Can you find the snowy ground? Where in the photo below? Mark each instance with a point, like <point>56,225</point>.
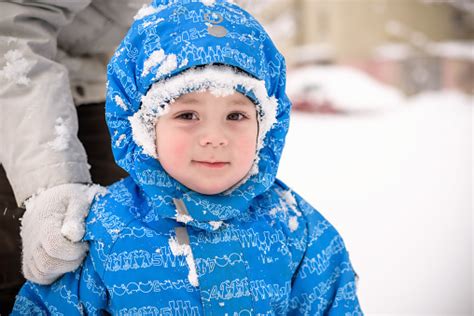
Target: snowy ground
<point>398,186</point>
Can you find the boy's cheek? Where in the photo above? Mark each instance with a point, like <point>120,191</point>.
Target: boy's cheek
<point>250,140</point>
<point>247,148</point>
<point>179,150</point>
<point>176,145</point>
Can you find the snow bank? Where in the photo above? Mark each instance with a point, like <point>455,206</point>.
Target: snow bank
<point>398,187</point>
<point>345,88</point>
<point>452,101</point>
<point>393,51</point>
<point>453,50</point>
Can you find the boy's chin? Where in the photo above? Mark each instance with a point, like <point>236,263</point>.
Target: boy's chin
<point>210,189</point>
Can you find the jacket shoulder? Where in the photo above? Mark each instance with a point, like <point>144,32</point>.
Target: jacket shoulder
<point>305,224</point>
<point>112,212</point>
<point>309,216</point>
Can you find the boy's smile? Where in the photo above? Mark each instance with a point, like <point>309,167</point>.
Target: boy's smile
<point>208,164</point>
<point>207,142</point>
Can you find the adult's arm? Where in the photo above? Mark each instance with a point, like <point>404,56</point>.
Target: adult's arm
<point>38,120</point>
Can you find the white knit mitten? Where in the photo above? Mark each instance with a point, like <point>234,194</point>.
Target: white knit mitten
<point>51,230</point>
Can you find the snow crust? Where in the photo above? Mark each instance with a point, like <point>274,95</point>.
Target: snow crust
<point>183,218</point>
<point>120,140</point>
<point>154,22</point>
<point>94,190</point>
<point>16,67</point>
<point>293,223</point>
<point>290,200</point>
<point>185,250</point>
<point>155,58</point>
<point>184,62</point>
<point>120,103</point>
<point>216,224</point>
<point>143,129</point>
<point>147,10</point>
<point>63,135</point>
<point>169,64</point>
<point>287,201</point>
<point>208,3</point>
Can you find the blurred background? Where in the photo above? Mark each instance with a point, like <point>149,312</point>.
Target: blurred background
<point>381,140</point>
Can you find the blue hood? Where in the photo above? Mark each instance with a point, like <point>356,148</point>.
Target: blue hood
<point>195,34</point>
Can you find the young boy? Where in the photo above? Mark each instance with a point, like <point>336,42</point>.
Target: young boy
<point>198,114</point>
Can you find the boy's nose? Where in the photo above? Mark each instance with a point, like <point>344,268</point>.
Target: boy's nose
<point>213,140</point>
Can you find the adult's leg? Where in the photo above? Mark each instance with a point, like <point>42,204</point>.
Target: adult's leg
<point>94,134</point>
<point>11,278</point>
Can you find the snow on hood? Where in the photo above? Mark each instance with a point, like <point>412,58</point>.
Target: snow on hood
<point>178,38</point>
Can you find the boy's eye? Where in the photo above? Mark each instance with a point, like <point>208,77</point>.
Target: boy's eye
<point>236,116</point>
<point>187,116</point>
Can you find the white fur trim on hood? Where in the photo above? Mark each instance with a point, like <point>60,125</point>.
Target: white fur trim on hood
<point>220,81</point>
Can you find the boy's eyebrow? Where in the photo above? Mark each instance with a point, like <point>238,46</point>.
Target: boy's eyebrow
<point>242,102</point>
<point>188,100</point>
<point>192,100</point>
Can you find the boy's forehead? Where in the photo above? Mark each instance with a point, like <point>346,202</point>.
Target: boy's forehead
<point>197,97</point>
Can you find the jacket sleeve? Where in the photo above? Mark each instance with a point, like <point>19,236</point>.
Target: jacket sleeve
<point>80,292</point>
<point>38,120</point>
<point>324,282</point>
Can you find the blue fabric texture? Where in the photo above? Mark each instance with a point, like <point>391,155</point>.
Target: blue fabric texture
<point>273,253</point>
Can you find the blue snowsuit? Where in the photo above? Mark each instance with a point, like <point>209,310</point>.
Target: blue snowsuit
<point>273,253</point>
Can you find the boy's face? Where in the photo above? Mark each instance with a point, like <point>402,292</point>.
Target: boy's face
<point>208,143</point>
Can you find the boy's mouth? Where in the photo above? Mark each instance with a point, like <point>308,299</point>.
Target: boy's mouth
<point>209,164</point>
